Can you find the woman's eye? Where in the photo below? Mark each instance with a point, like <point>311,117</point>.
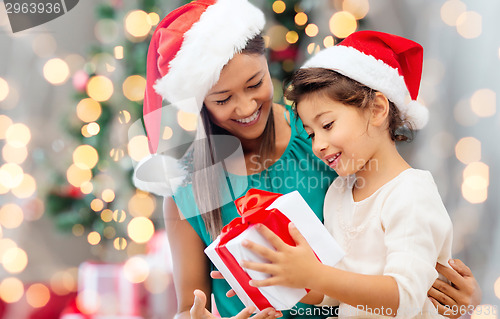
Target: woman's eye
<point>328,126</point>
<point>256,85</point>
<point>222,102</point>
<point>310,136</point>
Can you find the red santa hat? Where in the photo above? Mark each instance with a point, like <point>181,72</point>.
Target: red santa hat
<point>384,62</point>
<point>188,50</point>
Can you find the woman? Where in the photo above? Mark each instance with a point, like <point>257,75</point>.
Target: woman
<point>210,54</point>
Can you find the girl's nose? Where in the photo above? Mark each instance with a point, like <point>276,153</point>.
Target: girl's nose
<point>319,144</point>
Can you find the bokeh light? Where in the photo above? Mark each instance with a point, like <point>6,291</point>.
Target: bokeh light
<point>37,295</point>
<point>485,312</point>
<point>470,25</point>
<point>140,229</point>
<point>342,24</point>
<point>77,176</point>
<point>167,133</point>
<point>141,204</point>
<point>16,155</point>
<point>328,41</point>
<point>468,150</point>
<point>93,128</point>
<point>11,215</point>
<point>475,182</point>
<point>94,238</point>
<point>277,37</point>
<point>64,281</point>
<point>300,18</point>
<point>496,287</point>
<point>313,48</point>
<point>15,260</point>
<point>157,281</point>
<point>18,135</point>
<point>124,117</point>
<point>85,157</point>
<point>100,88</point>
<point>119,215</point>
<point>96,205</point>
<point>451,10</point>
<point>11,175</point>
<point>358,8</point>
<point>118,51</point>
<point>56,71</point>
<point>44,45</point>
<point>78,230</point>
<point>27,187</point>
<point>4,89</point>
<point>138,147</point>
<point>136,269</point>
<point>109,232</point>
<point>134,87</point>
<point>5,123</point>
<point>312,30</point>
<point>279,6</point>
<point>484,102</point>
<point>11,290</point>
<point>107,215</point>
<point>187,120</point>
<point>292,37</point>
<point>120,243</point>
<point>88,110</point>
<point>137,23</point>
<point>108,195</point>
<point>153,18</point>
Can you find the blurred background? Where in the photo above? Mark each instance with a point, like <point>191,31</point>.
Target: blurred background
<point>77,240</point>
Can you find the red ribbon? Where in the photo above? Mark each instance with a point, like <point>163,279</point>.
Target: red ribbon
<point>252,208</point>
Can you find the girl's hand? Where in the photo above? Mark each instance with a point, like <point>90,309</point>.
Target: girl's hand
<point>289,266</point>
<point>198,310</point>
<point>459,298</point>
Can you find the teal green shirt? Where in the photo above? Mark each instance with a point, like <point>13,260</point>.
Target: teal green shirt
<point>297,169</point>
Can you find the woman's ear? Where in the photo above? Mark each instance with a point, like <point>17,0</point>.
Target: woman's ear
<point>379,110</point>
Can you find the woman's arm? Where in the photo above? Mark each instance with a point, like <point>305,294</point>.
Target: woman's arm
<point>190,265</point>
<point>298,267</point>
<point>462,296</point>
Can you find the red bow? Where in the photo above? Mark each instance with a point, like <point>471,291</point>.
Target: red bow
<point>252,208</point>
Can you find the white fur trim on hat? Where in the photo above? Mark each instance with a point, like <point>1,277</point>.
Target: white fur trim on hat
<point>222,31</point>
<point>373,73</point>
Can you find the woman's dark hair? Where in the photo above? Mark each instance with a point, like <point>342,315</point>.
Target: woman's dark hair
<point>206,155</point>
<point>345,90</point>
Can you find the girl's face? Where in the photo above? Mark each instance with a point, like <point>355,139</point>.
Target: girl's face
<point>240,102</point>
<point>339,133</point>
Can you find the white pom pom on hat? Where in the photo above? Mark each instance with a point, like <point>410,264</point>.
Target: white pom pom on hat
<point>384,62</point>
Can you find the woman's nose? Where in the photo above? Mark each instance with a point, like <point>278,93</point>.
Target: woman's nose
<point>246,106</point>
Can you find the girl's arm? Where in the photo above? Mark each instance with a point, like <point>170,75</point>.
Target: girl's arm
<point>191,270</point>
<point>298,267</point>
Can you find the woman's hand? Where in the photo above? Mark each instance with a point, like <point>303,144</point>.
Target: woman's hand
<point>459,298</point>
<point>289,266</point>
<point>199,310</point>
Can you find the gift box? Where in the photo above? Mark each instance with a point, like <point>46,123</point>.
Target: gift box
<point>275,211</point>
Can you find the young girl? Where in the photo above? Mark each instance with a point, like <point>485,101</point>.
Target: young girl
<point>387,216</point>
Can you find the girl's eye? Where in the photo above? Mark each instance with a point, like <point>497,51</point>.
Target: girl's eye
<point>310,136</point>
<point>328,126</point>
<point>256,85</point>
<point>222,102</point>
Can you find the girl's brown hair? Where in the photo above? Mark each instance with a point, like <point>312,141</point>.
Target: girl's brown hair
<point>345,90</point>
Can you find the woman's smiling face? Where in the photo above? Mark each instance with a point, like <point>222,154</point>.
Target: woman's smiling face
<point>240,102</point>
